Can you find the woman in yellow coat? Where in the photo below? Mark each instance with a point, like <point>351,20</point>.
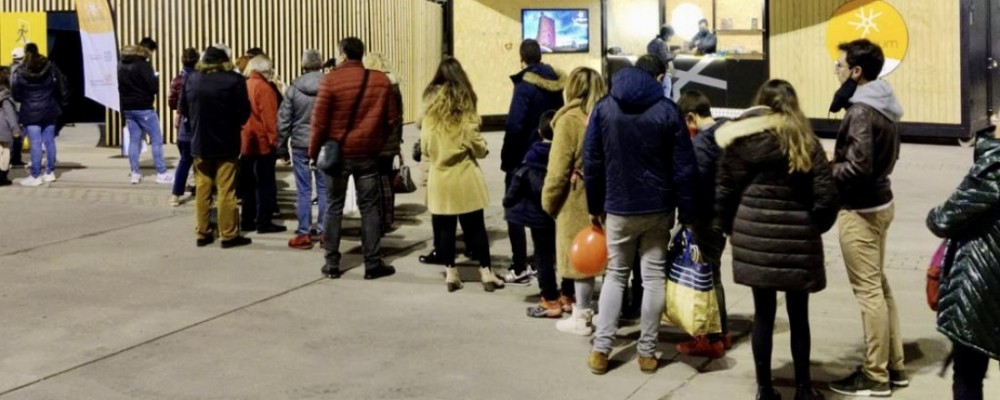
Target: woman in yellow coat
<point>563,195</point>
<point>456,188</point>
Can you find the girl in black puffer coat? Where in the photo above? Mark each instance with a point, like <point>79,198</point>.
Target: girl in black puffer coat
<point>969,300</point>
<point>775,198</point>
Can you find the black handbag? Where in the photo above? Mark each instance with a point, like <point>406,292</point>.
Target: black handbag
<point>330,153</point>
<point>402,182</point>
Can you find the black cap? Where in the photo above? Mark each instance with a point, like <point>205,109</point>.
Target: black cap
<point>215,55</point>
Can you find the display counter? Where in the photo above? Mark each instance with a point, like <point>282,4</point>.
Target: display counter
<point>729,81</point>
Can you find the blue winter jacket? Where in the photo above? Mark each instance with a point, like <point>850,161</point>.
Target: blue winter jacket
<point>523,200</point>
<point>638,156</point>
<point>537,89</point>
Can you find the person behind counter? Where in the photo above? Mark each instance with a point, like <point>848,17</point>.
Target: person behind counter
<point>704,42</point>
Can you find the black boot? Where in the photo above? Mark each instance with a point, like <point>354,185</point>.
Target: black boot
<point>806,392</point>
<point>3,179</point>
<point>767,393</point>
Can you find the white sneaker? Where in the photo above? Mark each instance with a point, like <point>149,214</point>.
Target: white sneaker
<point>165,178</point>
<point>175,201</point>
<point>135,178</point>
<point>49,177</point>
<point>31,182</point>
<point>577,324</point>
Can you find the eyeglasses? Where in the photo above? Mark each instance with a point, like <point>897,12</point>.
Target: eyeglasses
<point>837,66</point>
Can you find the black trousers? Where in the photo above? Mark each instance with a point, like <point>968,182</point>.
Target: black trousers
<point>970,370</point>
<point>765,304</point>
<point>259,189</point>
<point>518,238</point>
<point>544,240</point>
<point>474,226</point>
<point>15,151</point>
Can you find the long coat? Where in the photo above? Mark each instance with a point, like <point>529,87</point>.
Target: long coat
<point>775,219</point>
<point>455,183</point>
<point>969,300</point>
<point>564,196</point>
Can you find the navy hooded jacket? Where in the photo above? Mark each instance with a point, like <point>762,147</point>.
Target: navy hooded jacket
<point>537,89</point>
<point>638,156</point>
<point>523,200</point>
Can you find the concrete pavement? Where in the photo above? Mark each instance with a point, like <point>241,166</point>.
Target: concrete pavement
<point>103,295</point>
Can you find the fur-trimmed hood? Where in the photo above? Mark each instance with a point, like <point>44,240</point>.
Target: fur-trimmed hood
<point>210,68</point>
<point>132,54</point>
<point>35,68</point>
<point>543,76</point>
<point>753,121</point>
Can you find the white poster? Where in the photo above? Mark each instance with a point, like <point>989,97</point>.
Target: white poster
<point>100,52</point>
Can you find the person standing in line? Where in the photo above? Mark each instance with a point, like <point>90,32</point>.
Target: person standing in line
<point>537,88</point>
<point>294,126</point>
<point>216,105</point>
<point>189,59</point>
<point>17,59</point>
<point>866,151</point>
<point>258,152</point>
<point>41,89</point>
<point>564,197</point>
<point>138,87</point>
<point>639,168</point>
<point>393,145</point>
<point>456,188</point>
<point>969,297</point>
<point>660,47</point>
<point>775,198</point>
<point>354,107</point>
<point>10,128</point>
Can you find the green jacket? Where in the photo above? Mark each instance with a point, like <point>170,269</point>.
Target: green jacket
<point>969,300</point>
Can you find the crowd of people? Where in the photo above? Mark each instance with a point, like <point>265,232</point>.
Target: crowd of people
<point>626,159</point>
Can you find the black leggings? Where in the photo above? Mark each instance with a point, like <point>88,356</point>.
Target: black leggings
<point>970,370</point>
<point>545,260</point>
<point>474,227</point>
<point>765,304</point>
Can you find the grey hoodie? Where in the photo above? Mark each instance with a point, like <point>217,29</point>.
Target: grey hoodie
<point>880,96</point>
<point>295,113</point>
<point>8,118</point>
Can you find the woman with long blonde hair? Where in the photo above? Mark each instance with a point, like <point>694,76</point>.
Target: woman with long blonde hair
<point>456,187</point>
<point>564,197</point>
<point>775,198</point>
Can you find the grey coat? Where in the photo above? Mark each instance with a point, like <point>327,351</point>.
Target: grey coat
<point>295,113</point>
<point>9,127</point>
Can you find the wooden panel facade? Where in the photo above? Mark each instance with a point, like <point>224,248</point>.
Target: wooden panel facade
<point>927,82</point>
<point>407,32</point>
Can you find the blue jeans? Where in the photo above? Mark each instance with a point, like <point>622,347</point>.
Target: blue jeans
<point>42,136</point>
<point>140,122</point>
<point>304,189</point>
<point>650,236</point>
<point>183,168</point>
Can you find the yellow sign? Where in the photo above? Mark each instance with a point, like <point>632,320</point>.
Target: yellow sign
<point>95,16</point>
<point>875,20</point>
<point>19,29</point>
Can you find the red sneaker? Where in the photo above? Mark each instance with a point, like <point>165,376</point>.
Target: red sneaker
<point>702,347</point>
<point>301,242</point>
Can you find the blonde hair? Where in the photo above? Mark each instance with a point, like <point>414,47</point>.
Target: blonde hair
<point>261,65</point>
<point>794,132</point>
<point>587,85</point>
<point>377,62</point>
<point>450,96</point>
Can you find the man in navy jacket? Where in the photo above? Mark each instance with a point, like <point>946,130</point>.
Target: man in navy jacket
<point>537,88</point>
<point>639,167</point>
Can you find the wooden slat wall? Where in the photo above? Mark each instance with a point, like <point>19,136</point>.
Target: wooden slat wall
<point>928,82</point>
<point>407,32</point>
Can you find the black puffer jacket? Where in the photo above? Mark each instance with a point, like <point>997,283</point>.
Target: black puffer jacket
<point>523,200</point>
<point>42,90</point>
<point>969,300</point>
<point>137,82</point>
<point>216,104</point>
<point>774,219</point>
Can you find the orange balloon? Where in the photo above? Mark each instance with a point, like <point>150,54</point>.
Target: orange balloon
<point>589,253</point>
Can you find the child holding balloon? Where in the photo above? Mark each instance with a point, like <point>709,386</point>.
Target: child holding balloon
<point>523,206</point>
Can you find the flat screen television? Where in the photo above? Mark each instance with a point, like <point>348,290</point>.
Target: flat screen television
<point>558,30</point>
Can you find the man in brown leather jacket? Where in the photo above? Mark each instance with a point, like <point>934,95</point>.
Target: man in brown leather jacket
<point>866,152</point>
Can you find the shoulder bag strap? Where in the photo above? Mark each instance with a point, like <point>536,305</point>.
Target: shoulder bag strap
<point>357,104</point>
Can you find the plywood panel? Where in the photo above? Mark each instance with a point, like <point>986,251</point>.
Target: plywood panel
<point>283,28</point>
<point>487,39</point>
<point>928,82</point>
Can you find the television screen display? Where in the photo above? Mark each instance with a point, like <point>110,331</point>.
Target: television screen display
<point>558,30</point>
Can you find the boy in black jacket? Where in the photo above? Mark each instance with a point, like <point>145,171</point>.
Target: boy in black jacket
<point>523,206</point>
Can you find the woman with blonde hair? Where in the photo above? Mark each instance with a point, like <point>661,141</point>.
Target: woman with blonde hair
<point>456,188</point>
<point>258,150</point>
<point>775,198</point>
<point>393,145</point>
<point>563,195</point>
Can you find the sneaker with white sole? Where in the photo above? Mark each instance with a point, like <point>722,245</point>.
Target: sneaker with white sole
<point>858,384</point>
<point>32,182</point>
<point>579,323</point>
<point>518,278</point>
<point>898,378</point>
<point>135,178</point>
<point>165,178</point>
<point>175,201</point>
<point>49,177</point>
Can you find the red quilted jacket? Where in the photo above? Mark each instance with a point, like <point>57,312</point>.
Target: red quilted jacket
<point>374,121</point>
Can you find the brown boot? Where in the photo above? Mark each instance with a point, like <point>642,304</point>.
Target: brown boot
<point>598,363</point>
<point>648,365</point>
